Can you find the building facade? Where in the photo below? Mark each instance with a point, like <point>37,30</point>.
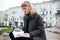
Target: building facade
<point>47,10</point>
<point>15,16</point>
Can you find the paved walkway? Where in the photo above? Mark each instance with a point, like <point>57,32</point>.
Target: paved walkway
<point>54,30</point>
<point>0,37</point>
<point>5,36</point>
<point>51,35</point>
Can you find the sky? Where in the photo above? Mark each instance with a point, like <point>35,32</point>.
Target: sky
<point>6,4</point>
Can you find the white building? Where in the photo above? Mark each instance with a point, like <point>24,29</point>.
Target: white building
<point>15,16</point>
<point>2,18</point>
<point>48,10</point>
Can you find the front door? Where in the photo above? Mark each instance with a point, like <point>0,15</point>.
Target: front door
<point>16,24</point>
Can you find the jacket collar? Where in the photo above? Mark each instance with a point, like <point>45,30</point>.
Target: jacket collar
<point>31,16</point>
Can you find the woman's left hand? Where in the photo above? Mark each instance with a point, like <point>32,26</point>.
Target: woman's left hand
<point>26,35</point>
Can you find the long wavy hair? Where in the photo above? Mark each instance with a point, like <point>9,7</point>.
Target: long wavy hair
<point>31,9</point>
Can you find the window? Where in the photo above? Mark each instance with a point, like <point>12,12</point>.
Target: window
<point>46,18</point>
<point>13,12</point>
<point>58,11</point>
<point>50,17</point>
<point>9,19</point>
<point>46,12</point>
<point>43,12</point>
<point>50,12</point>
<point>17,18</point>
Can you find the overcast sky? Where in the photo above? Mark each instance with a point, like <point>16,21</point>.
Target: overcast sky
<point>6,4</point>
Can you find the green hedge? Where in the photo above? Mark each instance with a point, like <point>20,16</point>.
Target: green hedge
<point>6,30</point>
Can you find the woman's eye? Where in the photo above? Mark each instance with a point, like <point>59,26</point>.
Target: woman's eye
<point>24,8</point>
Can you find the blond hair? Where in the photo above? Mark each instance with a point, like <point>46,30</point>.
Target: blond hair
<point>27,4</point>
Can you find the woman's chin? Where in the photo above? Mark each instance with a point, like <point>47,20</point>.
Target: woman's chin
<point>26,13</point>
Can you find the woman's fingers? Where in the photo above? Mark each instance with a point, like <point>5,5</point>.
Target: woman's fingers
<point>26,35</point>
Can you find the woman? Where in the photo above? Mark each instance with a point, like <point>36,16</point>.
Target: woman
<point>33,23</point>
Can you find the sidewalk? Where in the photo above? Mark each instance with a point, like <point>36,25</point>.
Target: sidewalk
<point>54,30</point>
<point>5,36</point>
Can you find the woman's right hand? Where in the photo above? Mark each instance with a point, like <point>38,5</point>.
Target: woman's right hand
<point>21,30</point>
<point>26,35</point>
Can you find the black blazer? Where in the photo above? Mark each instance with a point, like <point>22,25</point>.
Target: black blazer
<point>36,29</point>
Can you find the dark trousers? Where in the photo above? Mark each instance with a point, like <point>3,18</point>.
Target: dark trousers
<point>19,38</point>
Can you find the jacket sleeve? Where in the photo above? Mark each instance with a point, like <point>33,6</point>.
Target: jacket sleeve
<point>40,28</point>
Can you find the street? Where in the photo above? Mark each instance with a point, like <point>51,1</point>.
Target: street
<point>52,36</point>
<point>49,35</point>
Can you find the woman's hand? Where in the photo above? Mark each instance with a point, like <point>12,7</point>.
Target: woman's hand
<point>26,35</point>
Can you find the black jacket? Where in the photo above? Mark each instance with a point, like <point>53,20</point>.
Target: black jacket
<point>35,28</point>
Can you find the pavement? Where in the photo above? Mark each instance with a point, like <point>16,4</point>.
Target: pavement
<point>5,36</point>
<point>54,30</point>
<point>51,34</point>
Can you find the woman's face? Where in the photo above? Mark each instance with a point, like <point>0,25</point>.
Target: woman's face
<point>25,10</point>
